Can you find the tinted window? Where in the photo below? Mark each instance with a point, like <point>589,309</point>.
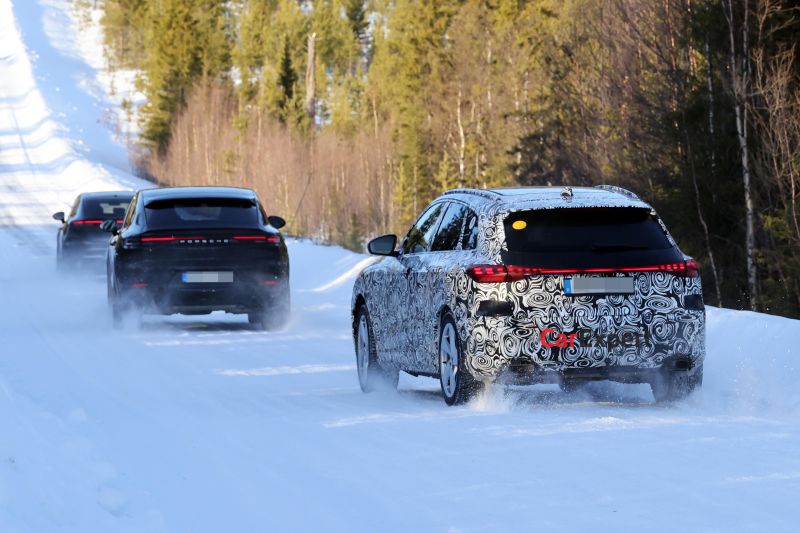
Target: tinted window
<point>469,239</point>
<point>201,213</point>
<point>131,211</point>
<point>420,234</point>
<point>104,208</point>
<point>588,237</point>
<point>74,209</point>
<point>449,231</point>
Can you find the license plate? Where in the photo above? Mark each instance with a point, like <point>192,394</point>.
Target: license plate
<point>580,285</point>
<point>207,277</point>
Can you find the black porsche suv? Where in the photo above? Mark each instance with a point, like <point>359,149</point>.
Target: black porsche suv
<point>194,250</point>
<point>80,243</point>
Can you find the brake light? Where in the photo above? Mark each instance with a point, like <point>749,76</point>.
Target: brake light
<point>159,239</point>
<point>489,273</point>
<point>86,222</point>
<point>692,269</point>
<point>506,273</point>
<point>138,285</point>
<point>261,238</point>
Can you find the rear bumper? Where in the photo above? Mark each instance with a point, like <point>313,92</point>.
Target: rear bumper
<point>165,292</point>
<point>526,374</point>
<point>501,348</point>
<point>236,298</point>
<point>84,252</point>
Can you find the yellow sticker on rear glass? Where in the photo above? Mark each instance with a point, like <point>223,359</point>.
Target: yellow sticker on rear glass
<point>519,224</point>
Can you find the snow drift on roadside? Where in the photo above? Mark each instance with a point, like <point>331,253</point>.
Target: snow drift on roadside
<point>752,362</point>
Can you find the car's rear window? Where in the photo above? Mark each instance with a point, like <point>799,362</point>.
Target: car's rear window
<point>587,237</point>
<point>201,213</point>
<point>104,208</point>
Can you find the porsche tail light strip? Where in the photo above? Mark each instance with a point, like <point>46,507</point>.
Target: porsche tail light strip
<point>506,273</point>
<point>244,238</point>
<point>86,222</point>
<point>159,239</point>
<point>257,238</point>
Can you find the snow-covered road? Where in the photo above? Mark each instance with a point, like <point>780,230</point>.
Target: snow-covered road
<point>206,425</point>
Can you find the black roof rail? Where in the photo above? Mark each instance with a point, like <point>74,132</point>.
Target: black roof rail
<point>478,192</point>
<point>618,190</point>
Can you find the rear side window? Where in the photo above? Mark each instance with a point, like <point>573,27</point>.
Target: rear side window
<point>201,213</point>
<point>131,212</point>
<point>104,209</point>
<point>75,205</point>
<point>588,236</point>
<point>469,238</point>
<point>421,233</point>
<point>449,232</point>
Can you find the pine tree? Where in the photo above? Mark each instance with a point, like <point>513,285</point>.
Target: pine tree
<point>183,42</point>
<point>287,81</point>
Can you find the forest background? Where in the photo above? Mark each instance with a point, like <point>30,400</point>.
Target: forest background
<point>349,116</point>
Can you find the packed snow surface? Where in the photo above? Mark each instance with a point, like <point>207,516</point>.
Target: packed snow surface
<point>202,424</point>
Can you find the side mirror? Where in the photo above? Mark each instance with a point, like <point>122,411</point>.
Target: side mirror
<point>109,226</point>
<point>383,245</point>
<point>59,216</point>
<point>276,221</point>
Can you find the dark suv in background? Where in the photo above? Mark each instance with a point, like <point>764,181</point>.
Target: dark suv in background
<point>80,241</point>
<point>532,285</point>
<point>194,250</point>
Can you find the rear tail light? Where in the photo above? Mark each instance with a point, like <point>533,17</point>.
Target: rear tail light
<point>506,273</point>
<point>692,269</point>
<point>86,222</point>
<point>196,239</point>
<point>257,238</point>
<point>159,239</point>
<point>495,273</point>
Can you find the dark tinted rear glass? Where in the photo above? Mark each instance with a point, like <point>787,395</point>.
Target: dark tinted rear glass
<point>202,213</point>
<point>104,208</point>
<point>469,239</point>
<point>587,237</point>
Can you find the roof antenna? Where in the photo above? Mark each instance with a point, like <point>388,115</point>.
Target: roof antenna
<point>566,194</point>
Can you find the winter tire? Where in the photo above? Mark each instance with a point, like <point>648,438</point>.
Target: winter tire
<point>371,375</point>
<point>672,386</point>
<point>458,385</point>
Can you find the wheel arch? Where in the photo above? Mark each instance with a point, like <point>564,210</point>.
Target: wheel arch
<point>358,302</point>
<point>445,309</point>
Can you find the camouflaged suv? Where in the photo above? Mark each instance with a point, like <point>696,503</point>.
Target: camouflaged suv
<point>532,285</point>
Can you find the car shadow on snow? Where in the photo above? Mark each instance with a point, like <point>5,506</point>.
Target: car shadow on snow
<point>607,394</point>
<point>204,323</point>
